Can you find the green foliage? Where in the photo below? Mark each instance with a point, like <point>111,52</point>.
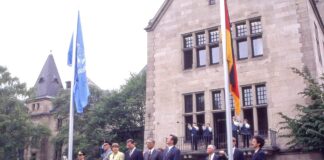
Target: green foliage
<point>111,116</point>
<point>16,128</point>
<point>307,128</point>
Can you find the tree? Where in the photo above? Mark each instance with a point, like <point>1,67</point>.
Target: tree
<point>307,128</point>
<point>16,128</point>
<point>110,115</point>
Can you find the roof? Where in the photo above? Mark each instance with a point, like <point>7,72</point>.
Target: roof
<point>153,22</point>
<point>48,82</point>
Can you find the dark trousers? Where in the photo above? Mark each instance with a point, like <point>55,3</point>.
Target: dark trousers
<point>207,141</point>
<point>246,139</point>
<point>194,143</point>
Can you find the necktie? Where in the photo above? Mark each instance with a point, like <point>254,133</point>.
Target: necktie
<point>149,155</point>
<point>209,157</point>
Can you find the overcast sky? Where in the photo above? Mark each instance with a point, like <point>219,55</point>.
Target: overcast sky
<point>113,31</point>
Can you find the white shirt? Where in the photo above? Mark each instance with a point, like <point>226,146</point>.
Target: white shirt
<point>131,152</point>
<point>170,147</point>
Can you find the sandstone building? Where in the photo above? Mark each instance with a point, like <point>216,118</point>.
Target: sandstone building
<point>185,70</point>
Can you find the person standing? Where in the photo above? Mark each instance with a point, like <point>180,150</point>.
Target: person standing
<point>246,133</point>
<point>235,129</point>
<point>116,154</point>
<point>194,135</point>
<point>81,155</point>
<point>133,153</point>
<point>106,151</point>
<point>211,153</point>
<point>257,144</point>
<point>207,134</point>
<point>237,153</point>
<point>171,152</point>
<point>152,153</point>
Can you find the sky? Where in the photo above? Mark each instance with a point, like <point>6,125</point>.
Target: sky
<point>113,31</point>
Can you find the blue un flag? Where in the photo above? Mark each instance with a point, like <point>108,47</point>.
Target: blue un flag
<point>80,88</point>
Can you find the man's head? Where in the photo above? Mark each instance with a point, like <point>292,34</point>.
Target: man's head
<point>257,142</point>
<point>234,141</point>
<point>210,149</point>
<point>106,146</point>
<point>115,147</point>
<point>172,140</point>
<point>150,143</point>
<point>81,155</point>
<point>130,144</point>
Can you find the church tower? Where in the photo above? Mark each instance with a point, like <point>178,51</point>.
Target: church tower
<point>47,86</point>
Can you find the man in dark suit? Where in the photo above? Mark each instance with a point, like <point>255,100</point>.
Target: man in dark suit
<point>194,135</point>
<point>211,153</point>
<point>133,153</point>
<point>257,144</point>
<point>237,153</point>
<point>171,152</point>
<point>152,153</point>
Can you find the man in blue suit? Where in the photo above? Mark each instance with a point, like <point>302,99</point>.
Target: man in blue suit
<point>257,144</point>
<point>133,153</point>
<point>152,153</point>
<point>237,153</point>
<point>171,152</point>
<point>194,135</point>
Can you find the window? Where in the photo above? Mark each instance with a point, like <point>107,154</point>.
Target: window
<point>200,39</point>
<point>261,94</point>
<point>241,30</point>
<point>200,102</point>
<point>33,107</point>
<point>201,57</point>
<point>318,45</point>
<point>247,96</point>
<point>231,101</point>
<point>38,105</point>
<point>257,46</point>
<point>187,52</point>
<point>263,121</point>
<point>214,36</point>
<point>214,55</point>
<point>241,33</point>
<point>188,41</point>
<point>188,103</point>
<point>59,124</point>
<point>256,37</point>
<point>217,101</point>
<point>211,2</point>
<point>242,49</point>
<point>214,46</point>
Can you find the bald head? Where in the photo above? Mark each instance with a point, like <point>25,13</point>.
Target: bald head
<point>211,149</point>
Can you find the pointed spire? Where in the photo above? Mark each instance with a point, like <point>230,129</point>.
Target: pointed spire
<point>48,82</point>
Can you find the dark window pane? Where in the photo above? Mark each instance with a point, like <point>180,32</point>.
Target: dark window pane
<point>247,96</point>
<point>188,59</point>
<point>241,30</point>
<point>256,27</point>
<point>211,2</point>
<point>201,58</point>
<point>200,122</point>
<point>214,36</point>
<point>214,56</point>
<point>188,103</point>
<point>261,94</point>
<point>242,49</point>
<point>188,42</point>
<point>200,39</point>
<point>248,114</point>
<point>263,121</point>
<point>257,46</point>
<point>231,101</point>
<point>200,102</point>
<point>217,100</point>
<point>188,120</point>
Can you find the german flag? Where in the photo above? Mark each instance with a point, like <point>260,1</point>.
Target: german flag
<point>233,82</point>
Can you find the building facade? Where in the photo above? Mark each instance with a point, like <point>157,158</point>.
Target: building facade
<point>185,79</point>
<point>41,108</point>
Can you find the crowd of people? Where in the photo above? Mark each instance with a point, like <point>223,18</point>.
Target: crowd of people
<point>205,132</point>
<point>171,152</point>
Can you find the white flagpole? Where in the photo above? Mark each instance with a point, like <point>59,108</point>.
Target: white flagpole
<point>71,119</point>
<point>226,80</point>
